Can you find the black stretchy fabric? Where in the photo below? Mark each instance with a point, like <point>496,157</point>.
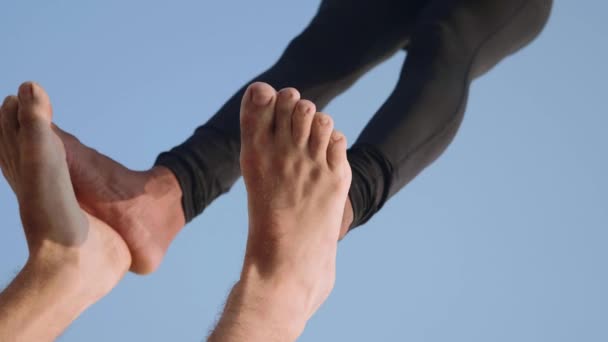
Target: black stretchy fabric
<point>449,43</point>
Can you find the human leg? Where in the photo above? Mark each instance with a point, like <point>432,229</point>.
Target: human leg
<point>74,258</point>
<point>149,208</point>
<point>453,42</point>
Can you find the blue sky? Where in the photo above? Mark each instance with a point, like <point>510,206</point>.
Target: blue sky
<point>503,239</point>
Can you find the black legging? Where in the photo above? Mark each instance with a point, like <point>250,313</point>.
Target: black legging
<point>449,43</point>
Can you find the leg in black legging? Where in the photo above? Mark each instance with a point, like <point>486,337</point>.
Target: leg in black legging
<point>453,42</point>
<point>343,41</point>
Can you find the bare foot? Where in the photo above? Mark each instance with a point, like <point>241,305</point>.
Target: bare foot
<point>143,207</point>
<point>347,219</point>
<point>297,177</point>
<point>33,161</point>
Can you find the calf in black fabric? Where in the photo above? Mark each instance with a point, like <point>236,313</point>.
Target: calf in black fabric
<point>449,44</point>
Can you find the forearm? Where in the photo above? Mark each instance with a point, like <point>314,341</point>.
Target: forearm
<point>40,303</point>
<point>261,310</point>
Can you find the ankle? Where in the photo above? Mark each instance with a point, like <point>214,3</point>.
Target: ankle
<point>162,183</point>
<point>347,219</point>
<point>90,269</point>
<point>61,266</point>
<point>164,189</point>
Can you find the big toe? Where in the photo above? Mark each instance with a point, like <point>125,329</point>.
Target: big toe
<point>34,105</point>
<point>257,113</point>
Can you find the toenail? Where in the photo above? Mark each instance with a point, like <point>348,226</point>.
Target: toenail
<point>288,93</point>
<point>324,120</point>
<point>304,109</point>
<point>26,91</point>
<point>260,98</point>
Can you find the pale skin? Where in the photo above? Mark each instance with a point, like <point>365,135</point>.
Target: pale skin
<point>144,207</point>
<point>74,258</point>
<point>297,177</point>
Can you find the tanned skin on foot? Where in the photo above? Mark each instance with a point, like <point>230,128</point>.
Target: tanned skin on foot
<point>449,45</point>
<point>74,258</point>
<point>297,178</point>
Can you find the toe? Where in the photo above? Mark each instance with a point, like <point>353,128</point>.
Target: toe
<point>257,113</point>
<point>336,151</point>
<point>322,128</point>
<point>34,105</point>
<point>301,122</point>
<point>10,127</point>
<point>286,102</point>
<point>2,142</point>
<point>9,121</point>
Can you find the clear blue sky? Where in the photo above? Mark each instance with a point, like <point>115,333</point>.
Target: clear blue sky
<point>503,239</point>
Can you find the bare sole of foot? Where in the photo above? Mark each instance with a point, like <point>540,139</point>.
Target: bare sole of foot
<point>33,161</point>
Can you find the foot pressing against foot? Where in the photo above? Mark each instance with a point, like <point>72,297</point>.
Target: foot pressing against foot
<point>143,207</point>
<point>33,161</point>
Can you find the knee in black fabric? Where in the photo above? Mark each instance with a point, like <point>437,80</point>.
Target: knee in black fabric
<point>206,166</point>
<point>477,34</point>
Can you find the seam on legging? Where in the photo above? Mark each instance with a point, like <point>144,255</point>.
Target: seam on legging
<point>448,124</point>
